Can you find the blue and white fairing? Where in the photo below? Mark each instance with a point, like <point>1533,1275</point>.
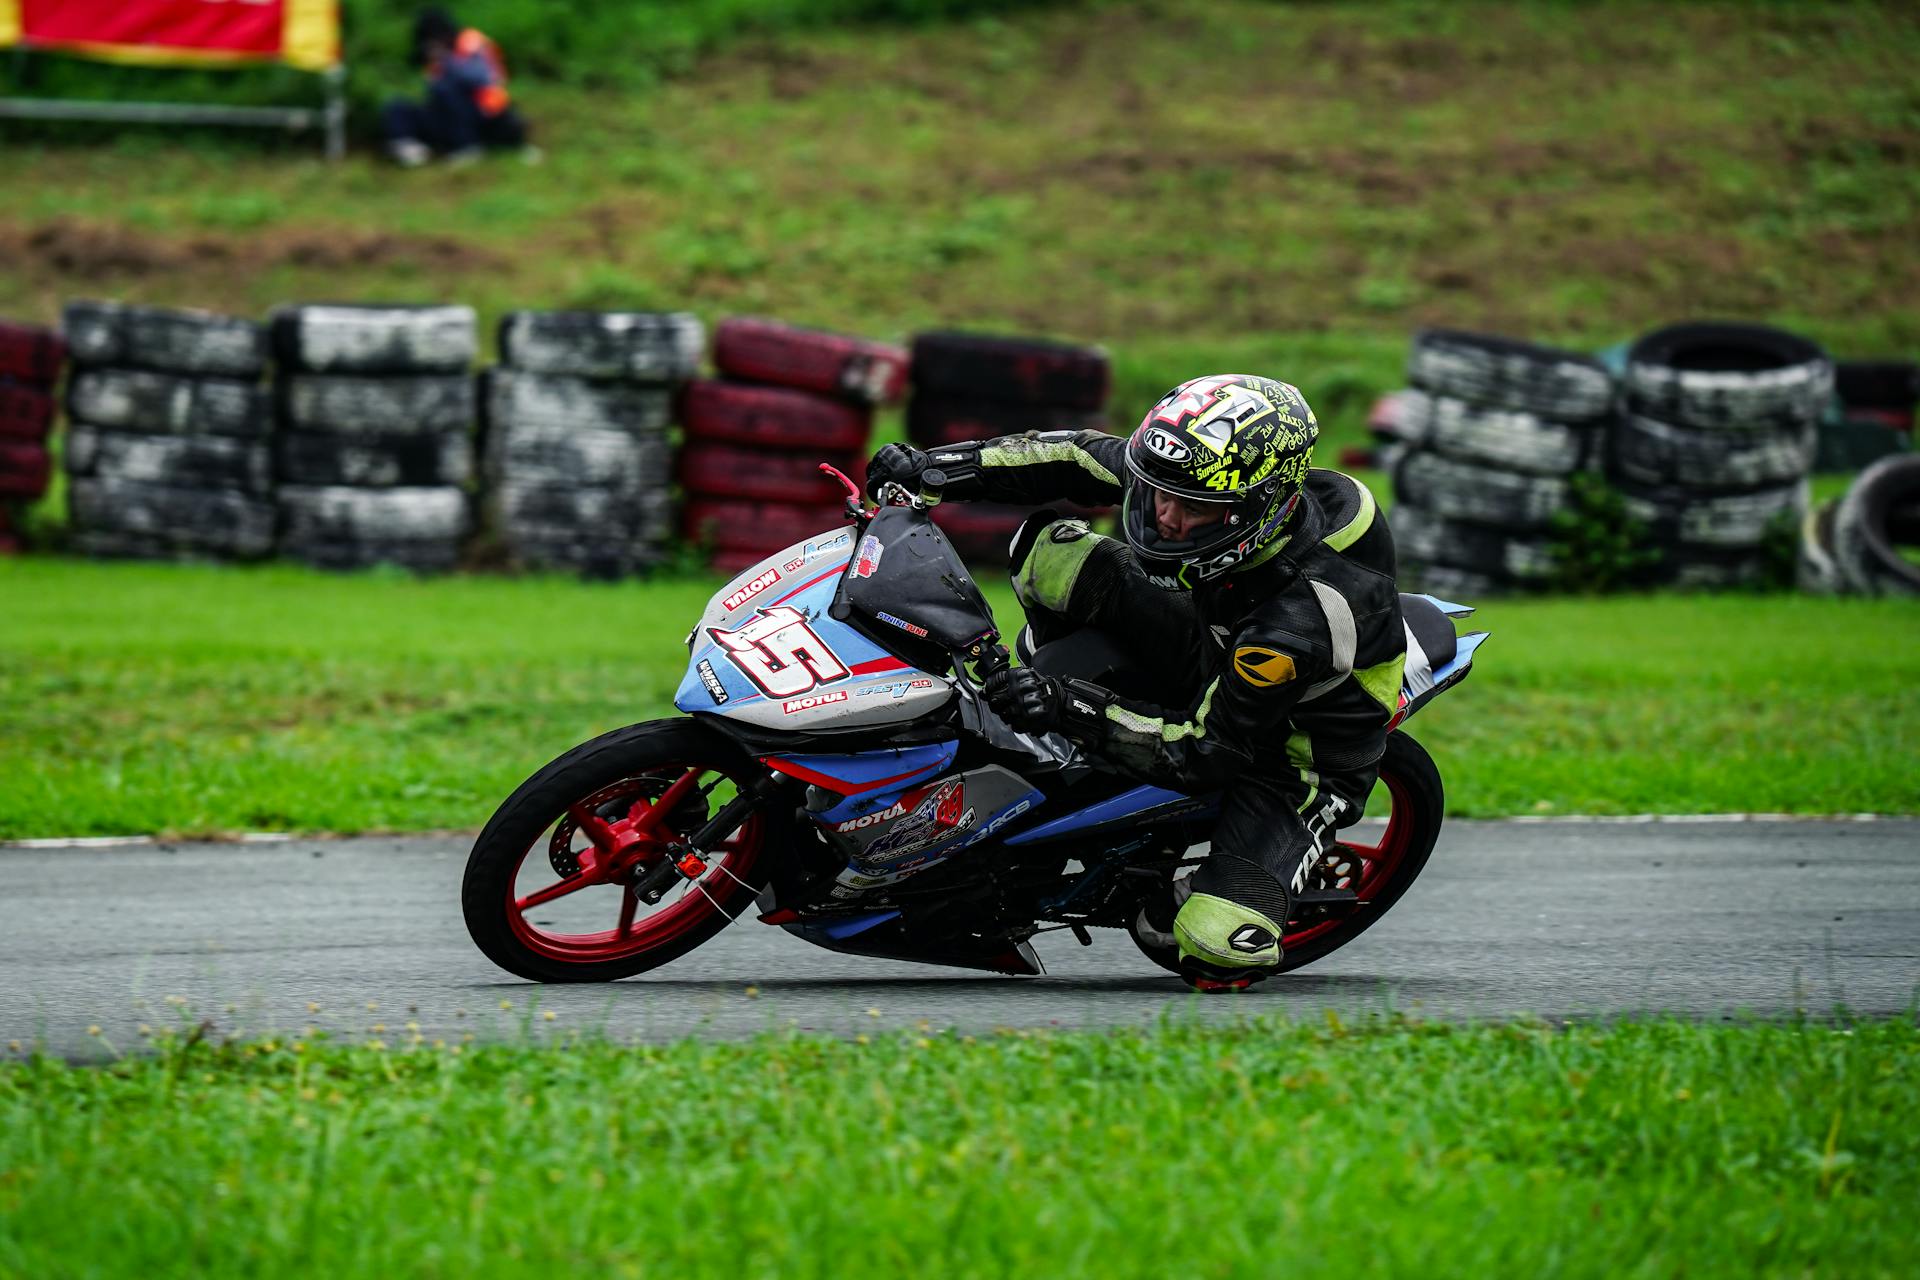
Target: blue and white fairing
<point>766,653</point>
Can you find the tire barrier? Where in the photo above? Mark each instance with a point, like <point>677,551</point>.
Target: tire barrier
<point>1737,376</point>
<point>577,460</point>
<point>832,364</point>
<point>650,347</point>
<point>982,532</point>
<point>169,448</point>
<point>729,471</point>
<point>787,400</point>
<point>375,455</point>
<point>1502,373</point>
<point>774,417</point>
<point>115,518</point>
<point>1028,371</point>
<point>1877,517</point>
<point>198,343</point>
<point>375,339</point>
<point>30,364</point>
<point>933,422</point>
<point>1718,434</point>
<point>1481,449</point>
<point>970,386</point>
<point>24,470</point>
<point>143,401</point>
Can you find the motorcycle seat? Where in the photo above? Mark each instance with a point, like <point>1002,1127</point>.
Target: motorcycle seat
<point>1432,628</point>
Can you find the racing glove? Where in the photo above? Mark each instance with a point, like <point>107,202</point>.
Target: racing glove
<point>902,464</point>
<point>899,463</point>
<point>1034,702</point>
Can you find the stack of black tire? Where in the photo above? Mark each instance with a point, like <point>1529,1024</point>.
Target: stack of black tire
<point>1714,444</point>
<point>1486,441</point>
<point>970,386</point>
<point>168,447</point>
<point>375,454</point>
<point>578,459</point>
<point>787,400</point>
<point>30,361</point>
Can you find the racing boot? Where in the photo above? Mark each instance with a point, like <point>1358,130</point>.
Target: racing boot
<point>1229,928</point>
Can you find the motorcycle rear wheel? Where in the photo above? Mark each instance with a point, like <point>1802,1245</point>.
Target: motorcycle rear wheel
<point>547,853</point>
<point>1418,803</point>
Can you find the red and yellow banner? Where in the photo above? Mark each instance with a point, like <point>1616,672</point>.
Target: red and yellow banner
<point>300,33</point>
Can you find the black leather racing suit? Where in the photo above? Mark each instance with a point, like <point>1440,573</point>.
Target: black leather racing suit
<point>1275,682</point>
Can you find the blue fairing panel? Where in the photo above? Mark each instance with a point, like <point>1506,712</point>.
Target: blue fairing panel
<point>1139,803</point>
<point>883,772</point>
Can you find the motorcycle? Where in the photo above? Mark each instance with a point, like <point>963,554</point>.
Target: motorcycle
<point>837,772</point>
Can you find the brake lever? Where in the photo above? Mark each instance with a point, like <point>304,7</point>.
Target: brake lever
<point>856,507</point>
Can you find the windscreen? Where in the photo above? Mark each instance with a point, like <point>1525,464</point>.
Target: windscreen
<point>905,577</point>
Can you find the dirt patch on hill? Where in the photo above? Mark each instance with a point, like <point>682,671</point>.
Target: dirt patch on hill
<point>80,251</point>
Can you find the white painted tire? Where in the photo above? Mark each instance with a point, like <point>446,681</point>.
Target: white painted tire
<point>637,346</point>
<point>163,339</point>
<point>375,339</point>
<point>142,400</point>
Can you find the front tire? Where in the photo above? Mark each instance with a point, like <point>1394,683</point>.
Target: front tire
<point>546,893</point>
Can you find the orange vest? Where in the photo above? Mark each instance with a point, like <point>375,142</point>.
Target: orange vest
<point>492,99</point>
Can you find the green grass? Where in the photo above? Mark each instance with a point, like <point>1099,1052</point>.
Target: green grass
<point>1194,184</point>
<point>198,699</point>
<point>1387,1148</point>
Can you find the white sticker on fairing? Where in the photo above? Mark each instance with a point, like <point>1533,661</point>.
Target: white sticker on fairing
<point>748,590</point>
<point>779,652</point>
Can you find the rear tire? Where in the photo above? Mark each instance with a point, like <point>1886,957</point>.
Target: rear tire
<point>1419,803</point>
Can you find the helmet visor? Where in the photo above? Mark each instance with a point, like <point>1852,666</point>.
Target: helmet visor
<point>1172,526</point>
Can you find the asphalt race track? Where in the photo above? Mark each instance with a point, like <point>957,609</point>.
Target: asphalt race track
<point>1559,920</point>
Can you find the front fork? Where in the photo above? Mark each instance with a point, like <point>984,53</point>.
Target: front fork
<point>686,859</point>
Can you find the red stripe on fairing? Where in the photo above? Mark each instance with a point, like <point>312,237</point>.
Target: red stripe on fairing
<point>874,666</point>
<point>839,786</point>
<point>809,582</point>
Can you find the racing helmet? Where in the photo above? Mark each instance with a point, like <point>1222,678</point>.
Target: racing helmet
<point>1235,439</point>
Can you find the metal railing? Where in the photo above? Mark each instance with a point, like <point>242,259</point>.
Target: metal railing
<point>330,118</point>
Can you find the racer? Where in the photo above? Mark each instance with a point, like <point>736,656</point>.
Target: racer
<point>1259,593</point>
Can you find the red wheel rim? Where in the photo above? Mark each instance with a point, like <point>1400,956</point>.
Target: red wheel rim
<point>1381,862</point>
<point>724,888</point>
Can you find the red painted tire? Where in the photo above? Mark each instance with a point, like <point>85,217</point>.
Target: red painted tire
<point>731,524</point>
<point>25,412</point>
<point>24,469</point>
<point>933,421</point>
<point>977,366</point>
<point>982,531</point>
<point>31,355</point>
<point>773,417</point>
<point>813,360</point>
<point>728,471</point>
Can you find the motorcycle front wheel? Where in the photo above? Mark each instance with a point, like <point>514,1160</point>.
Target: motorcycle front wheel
<point>549,893</point>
